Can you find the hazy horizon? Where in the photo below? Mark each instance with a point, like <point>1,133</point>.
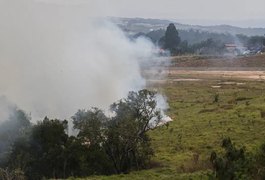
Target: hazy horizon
<point>254,23</point>
<point>243,13</point>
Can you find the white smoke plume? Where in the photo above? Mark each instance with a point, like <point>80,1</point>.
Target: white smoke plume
<point>57,57</point>
<point>6,108</point>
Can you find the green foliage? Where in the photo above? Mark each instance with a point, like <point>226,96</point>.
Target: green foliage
<point>48,141</point>
<point>260,160</point>
<point>209,47</point>
<point>262,113</point>
<point>92,129</point>
<point>190,36</point>
<point>216,98</point>
<point>201,132</point>
<point>251,42</point>
<point>255,41</point>
<point>16,126</point>
<point>42,153</point>
<point>90,125</point>
<point>127,131</point>
<point>196,133</point>
<point>104,145</point>
<point>171,40</point>
<point>233,165</point>
<point>122,138</point>
<point>156,35</point>
<point>193,36</point>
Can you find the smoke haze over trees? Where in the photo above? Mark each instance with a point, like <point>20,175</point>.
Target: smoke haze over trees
<point>14,124</point>
<point>103,145</point>
<point>57,55</point>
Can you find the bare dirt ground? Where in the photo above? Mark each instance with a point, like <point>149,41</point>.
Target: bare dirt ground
<point>220,74</point>
<point>197,68</point>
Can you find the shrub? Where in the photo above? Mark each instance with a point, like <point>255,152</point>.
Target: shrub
<point>260,159</point>
<point>262,113</point>
<point>216,98</point>
<point>232,165</point>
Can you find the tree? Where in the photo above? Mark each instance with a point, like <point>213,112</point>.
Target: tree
<point>128,144</point>
<point>104,145</point>
<point>171,40</point>
<point>209,47</point>
<point>16,126</point>
<point>47,142</point>
<point>91,125</point>
<point>41,154</point>
<point>122,139</point>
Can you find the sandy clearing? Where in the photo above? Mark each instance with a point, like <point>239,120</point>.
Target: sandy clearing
<point>252,75</point>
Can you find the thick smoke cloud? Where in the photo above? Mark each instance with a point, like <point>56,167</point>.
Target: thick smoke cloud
<point>58,57</point>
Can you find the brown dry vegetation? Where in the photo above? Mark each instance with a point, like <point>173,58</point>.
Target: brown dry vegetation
<point>257,61</point>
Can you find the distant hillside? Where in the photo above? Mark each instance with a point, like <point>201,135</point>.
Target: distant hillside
<point>229,29</point>
<point>136,25</point>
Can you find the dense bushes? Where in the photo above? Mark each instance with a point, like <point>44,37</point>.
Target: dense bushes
<point>104,145</point>
<point>260,162</point>
<point>236,163</point>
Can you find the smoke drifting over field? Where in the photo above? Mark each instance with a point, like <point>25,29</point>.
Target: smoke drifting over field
<point>57,57</point>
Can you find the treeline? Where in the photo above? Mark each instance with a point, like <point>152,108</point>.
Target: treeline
<point>201,42</point>
<point>252,41</point>
<point>103,145</point>
<point>173,43</point>
<point>192,36</point>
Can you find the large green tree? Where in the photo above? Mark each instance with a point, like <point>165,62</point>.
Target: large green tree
<point>171,40</point>
<point>91,125</point>
<point>123,137</point>
<point>128,144</point>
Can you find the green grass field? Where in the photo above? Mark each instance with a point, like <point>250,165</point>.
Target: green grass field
<point>199,124</point>
<point>182,149</point>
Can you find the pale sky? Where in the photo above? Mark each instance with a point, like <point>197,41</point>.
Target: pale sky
<point>237,12</point>
<point>190,9</point>
<point>220,11</point>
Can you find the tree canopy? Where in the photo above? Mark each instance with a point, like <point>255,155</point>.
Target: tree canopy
<point>171,40</point>
<point>105,144</point>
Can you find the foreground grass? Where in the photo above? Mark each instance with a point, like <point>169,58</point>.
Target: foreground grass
<point>199,124</point>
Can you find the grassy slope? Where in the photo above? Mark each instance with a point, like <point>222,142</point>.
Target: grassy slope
<point>202,124</point>
<point>199,125</point>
